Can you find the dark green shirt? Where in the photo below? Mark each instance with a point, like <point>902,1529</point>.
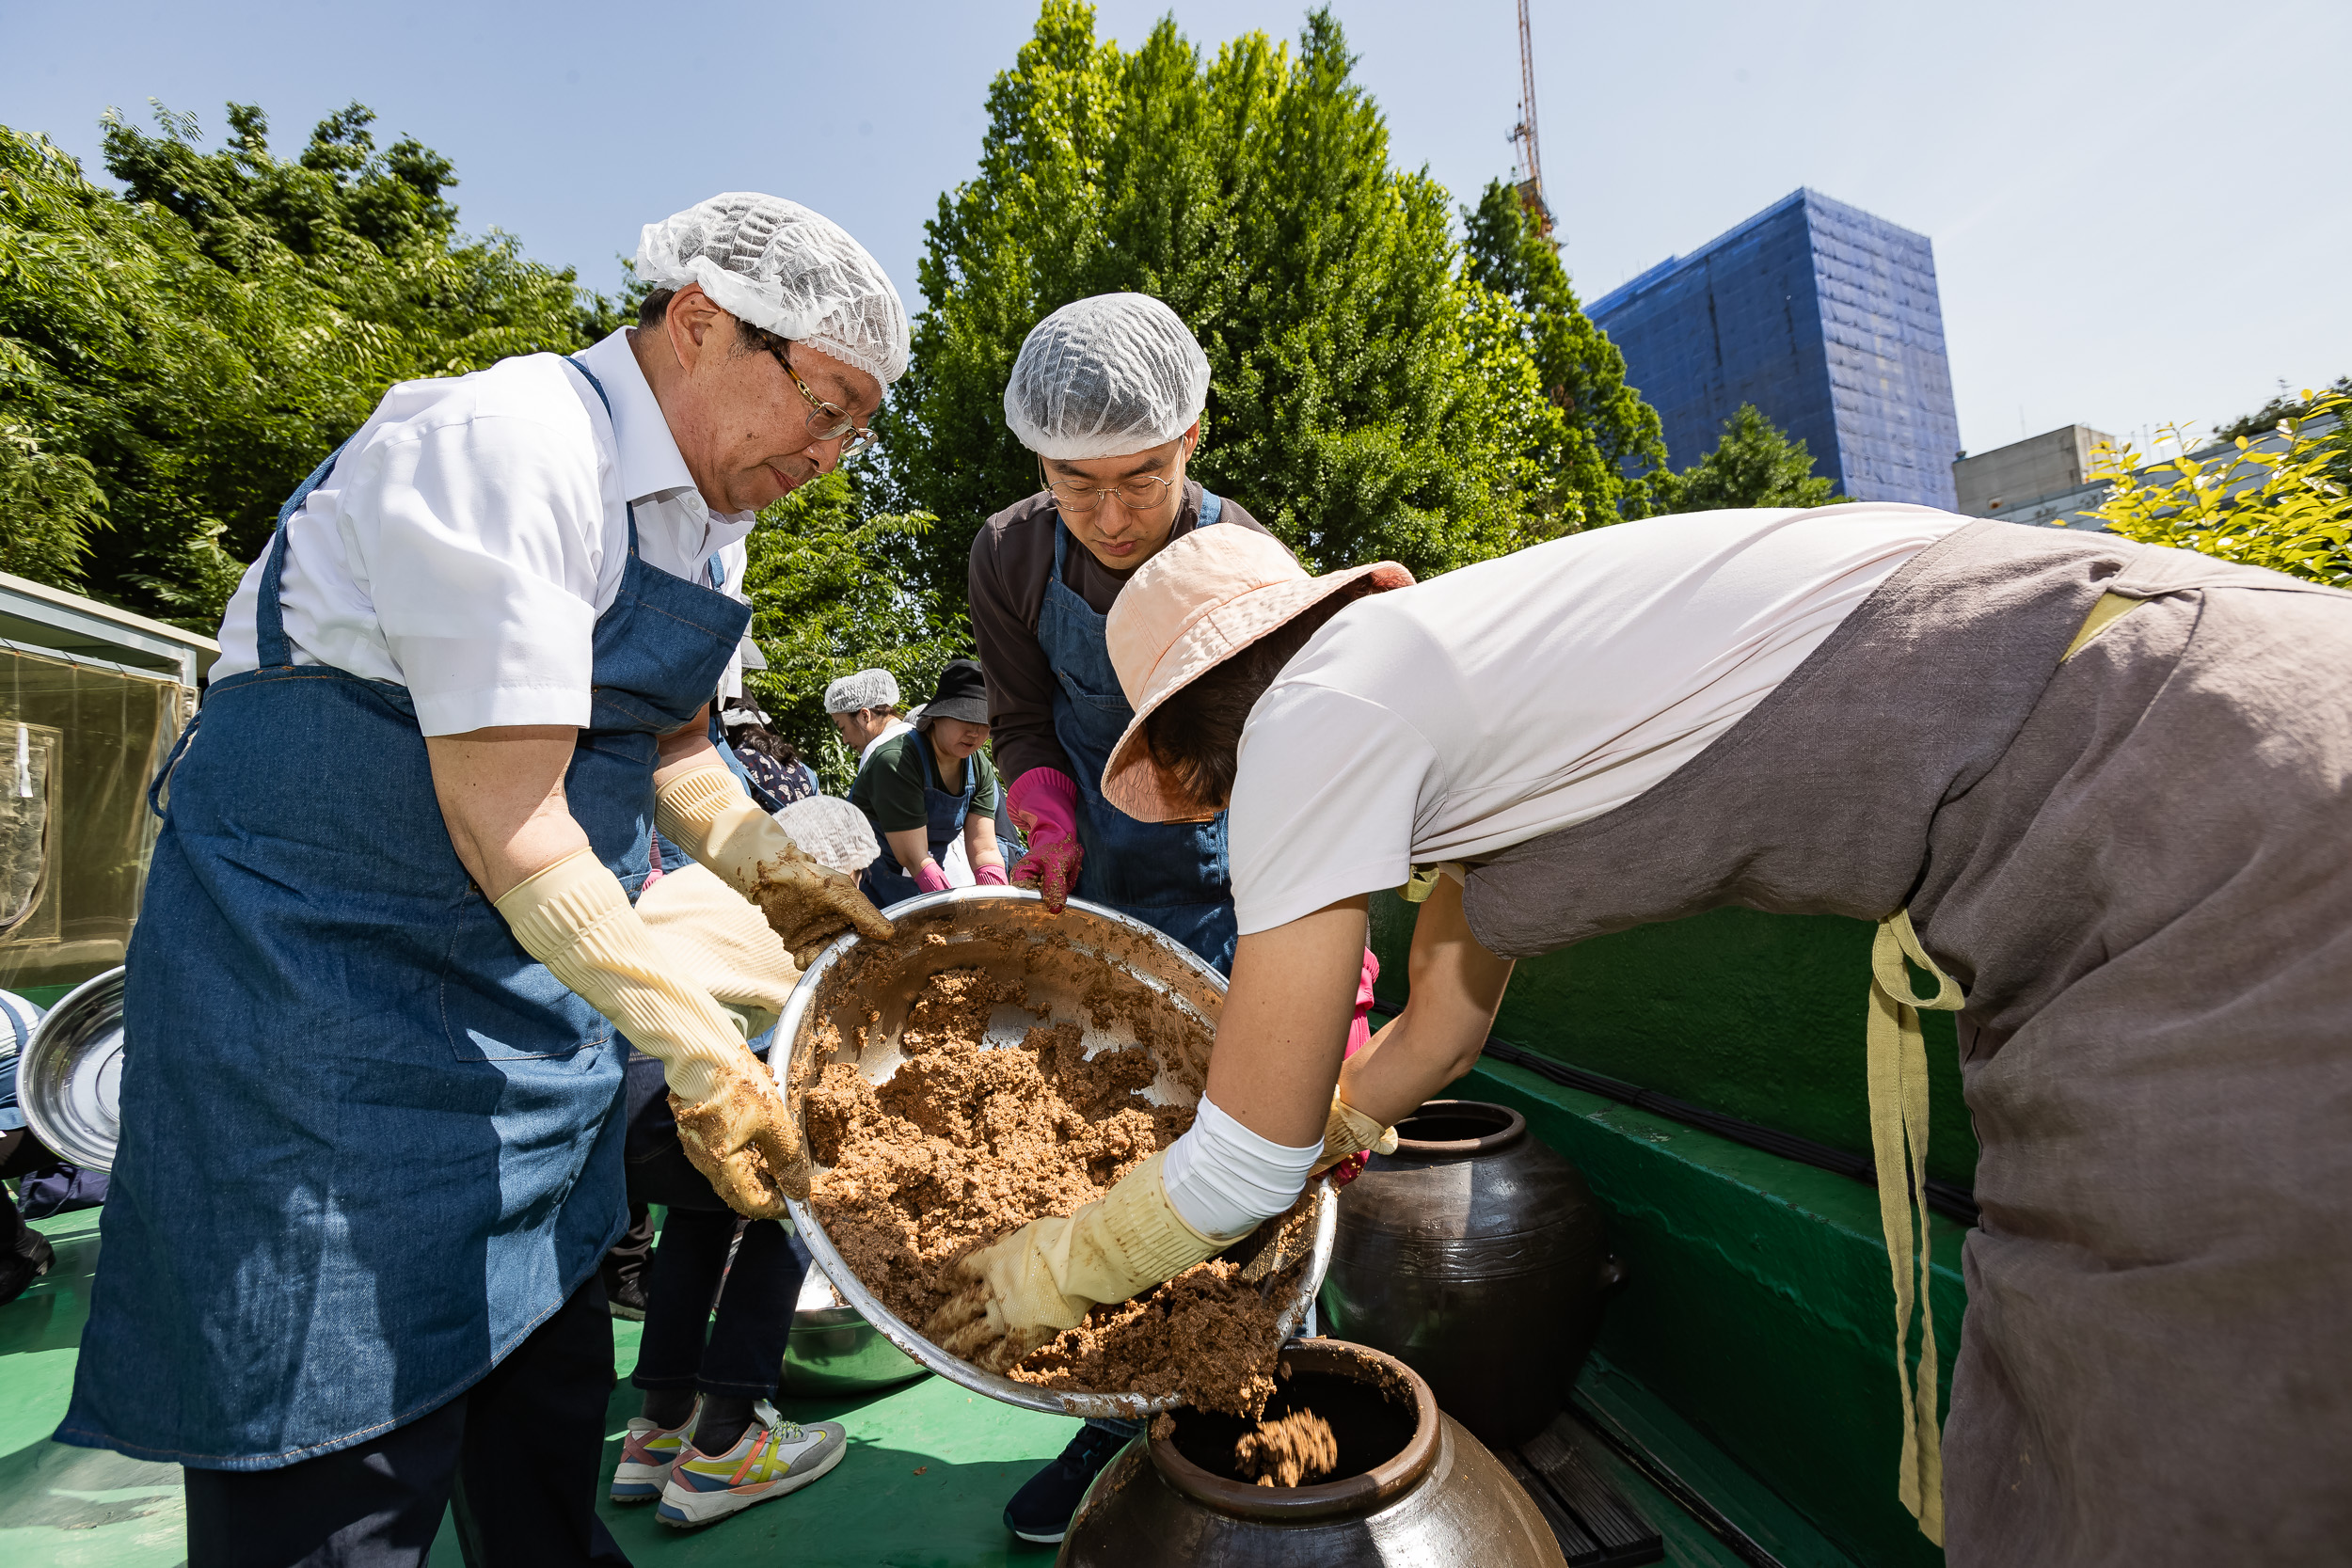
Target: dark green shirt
<point>889,788</point>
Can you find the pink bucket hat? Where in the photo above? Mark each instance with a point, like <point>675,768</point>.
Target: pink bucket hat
<point>1191,606</point>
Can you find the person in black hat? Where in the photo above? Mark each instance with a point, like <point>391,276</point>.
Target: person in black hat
<point>924,789</point>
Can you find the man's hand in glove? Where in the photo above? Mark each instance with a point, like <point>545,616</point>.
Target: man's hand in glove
<point>740,1137</point>
<point>1045,806</point>
<point>1027,1287</point>
<point>704,812</point>
<point>1347,1135</point>
<point>574,917</point>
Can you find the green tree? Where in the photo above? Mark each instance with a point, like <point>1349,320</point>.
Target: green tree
<point>199,343</point>
<point>1754,465</point>
<point>2286,405</point>
<point>834,588</point>
<point>1605,448</point>
<point>50,504</point>
<point>1366,399</point>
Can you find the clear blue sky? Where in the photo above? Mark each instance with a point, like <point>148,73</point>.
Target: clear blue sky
<point>2140,211</point>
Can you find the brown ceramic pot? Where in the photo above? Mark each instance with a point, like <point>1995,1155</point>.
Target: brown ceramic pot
<point>1411,1487</point>
<point>1473,1254</point>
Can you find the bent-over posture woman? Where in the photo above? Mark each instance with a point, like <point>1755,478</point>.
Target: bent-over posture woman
<point>2102,786</point>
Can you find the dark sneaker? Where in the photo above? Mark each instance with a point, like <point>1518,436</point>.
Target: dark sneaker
<point>23,1263</point>
<point>1040,1509</point>
<point>624,1293</point>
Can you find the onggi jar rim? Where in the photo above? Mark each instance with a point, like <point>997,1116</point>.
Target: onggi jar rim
<point>1512,1128</point>
<point>1357,1493</point>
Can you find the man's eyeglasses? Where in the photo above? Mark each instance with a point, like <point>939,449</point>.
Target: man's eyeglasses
<point>1135,495</point>
<point>825,421</point>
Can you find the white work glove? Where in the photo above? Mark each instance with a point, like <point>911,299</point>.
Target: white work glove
<point>1027,1287</point>
<point>573,917</point>
<point>707,813</point>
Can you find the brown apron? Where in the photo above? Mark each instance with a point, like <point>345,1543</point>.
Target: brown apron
<point>2135,865</point>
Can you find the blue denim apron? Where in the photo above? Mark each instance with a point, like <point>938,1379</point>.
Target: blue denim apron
<point>885,882</point>
<point>1171,876</point>
<point>368,1144</point>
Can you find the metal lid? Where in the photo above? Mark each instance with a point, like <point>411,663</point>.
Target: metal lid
<point>70,1084</point>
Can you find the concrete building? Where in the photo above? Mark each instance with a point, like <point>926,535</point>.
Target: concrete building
<point>1991,484</point>
<point>1826,318</point>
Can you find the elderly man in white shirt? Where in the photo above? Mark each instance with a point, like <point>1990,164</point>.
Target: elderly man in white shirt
<point>389,935</point>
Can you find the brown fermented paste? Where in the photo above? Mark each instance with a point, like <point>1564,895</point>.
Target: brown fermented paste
<point>1290,1450</point>
<point>964,1144</point>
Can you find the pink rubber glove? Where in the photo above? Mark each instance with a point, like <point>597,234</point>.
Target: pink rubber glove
<point>1359,1035</point>
<point>929,878</point>
<point>1044,804</point>
<point>989,876</point>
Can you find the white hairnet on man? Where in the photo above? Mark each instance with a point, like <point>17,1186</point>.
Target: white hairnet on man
<point>785,270</point>
<point>1103,377</point>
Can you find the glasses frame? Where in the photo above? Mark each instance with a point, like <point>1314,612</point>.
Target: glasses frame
<point>1084,499</point>
<point>826,421</point>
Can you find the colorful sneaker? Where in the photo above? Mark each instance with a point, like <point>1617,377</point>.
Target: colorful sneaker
<point>646,1455</point>
<point>772,1457</point>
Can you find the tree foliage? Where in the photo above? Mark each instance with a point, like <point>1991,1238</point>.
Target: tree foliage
<point>1602,448</point>
<point>2286,405</point>
<point>1367,398</point>
<point>2281,500</point>
<point>1754,463</point>
<point>196,344</point>
<point>833,589</point>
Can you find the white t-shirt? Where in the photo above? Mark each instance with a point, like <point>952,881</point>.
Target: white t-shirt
<point>472,532</point>
<point>1502,701</point>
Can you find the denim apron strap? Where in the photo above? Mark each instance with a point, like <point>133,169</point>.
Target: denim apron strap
<point>944,810</point>
<point>1171,876</point>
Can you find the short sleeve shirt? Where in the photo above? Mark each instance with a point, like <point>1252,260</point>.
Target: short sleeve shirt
<point>1507,700</point>
<point>472,532</point>
<point>889,787</point>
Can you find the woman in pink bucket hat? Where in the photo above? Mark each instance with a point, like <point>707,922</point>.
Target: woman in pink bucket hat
<point>2075,781</point>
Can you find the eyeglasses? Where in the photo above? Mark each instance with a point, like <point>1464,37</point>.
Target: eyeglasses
<point>825,421</point>
<point>1135,495</point>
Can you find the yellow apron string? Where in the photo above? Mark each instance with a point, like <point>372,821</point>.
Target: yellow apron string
<point>1425,880</point>
<point>2111,608</point>
<point>1899,1124</point>
<point>1898,1127</point>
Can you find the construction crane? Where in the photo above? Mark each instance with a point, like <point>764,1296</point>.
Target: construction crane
<point>1530,158</point>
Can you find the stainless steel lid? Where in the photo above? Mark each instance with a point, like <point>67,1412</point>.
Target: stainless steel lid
<point>70,1084</point>
<point>1086,954</point>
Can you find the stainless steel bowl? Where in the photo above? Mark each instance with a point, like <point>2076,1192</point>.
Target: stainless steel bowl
<point>70,1084</point>
<point>1065,962</point>
<point>834,1349</point>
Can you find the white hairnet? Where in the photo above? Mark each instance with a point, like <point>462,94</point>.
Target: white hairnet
<point>781,267</point>
<point>1103,377</point>
<point>866,688</point>
<point>832,832</point>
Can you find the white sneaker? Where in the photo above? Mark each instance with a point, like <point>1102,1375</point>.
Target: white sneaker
<point>646,1455</point>
<point>772,1457</point>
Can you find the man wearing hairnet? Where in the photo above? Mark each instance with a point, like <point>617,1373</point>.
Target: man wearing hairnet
<point>1108,392</point>
<point>396,992</point>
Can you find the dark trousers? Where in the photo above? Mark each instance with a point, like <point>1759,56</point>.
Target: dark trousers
<point>517,1456</point>
<point>743,1352</point>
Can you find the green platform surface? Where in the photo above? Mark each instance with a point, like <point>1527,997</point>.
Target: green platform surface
<point>924,1482</point>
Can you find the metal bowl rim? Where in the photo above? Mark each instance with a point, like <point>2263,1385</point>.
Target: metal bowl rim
<point>32,1087</point>
<point>1027,1395</point>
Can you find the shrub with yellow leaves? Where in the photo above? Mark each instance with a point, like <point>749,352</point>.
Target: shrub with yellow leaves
<point>2281,500</point>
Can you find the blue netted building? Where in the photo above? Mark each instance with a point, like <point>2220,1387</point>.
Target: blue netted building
<point>1823,316</point>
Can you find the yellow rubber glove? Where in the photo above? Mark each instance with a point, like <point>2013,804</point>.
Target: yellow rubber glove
<point>717,940</point>
<point>574,918</point>
<point>1347,1132</point>
<point>1030,1286</point>
<point>707,813</point>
